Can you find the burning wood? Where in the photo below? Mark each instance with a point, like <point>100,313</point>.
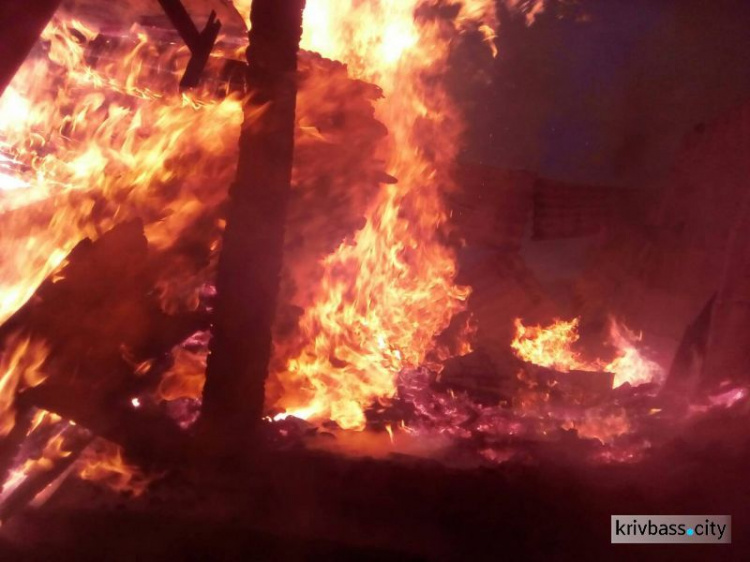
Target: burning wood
<point>95,307</point>
<point>343,170</point>
<point>247,281</point>
<point>385,294</point>
<point>553,346</point>
<point>58,456</point>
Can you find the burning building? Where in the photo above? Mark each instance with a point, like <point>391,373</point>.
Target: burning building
<point>253,293</point>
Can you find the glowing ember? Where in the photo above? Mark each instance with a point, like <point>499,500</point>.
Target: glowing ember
<point>605,428</point>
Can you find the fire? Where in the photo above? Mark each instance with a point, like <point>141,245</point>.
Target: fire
<point>51,450</point>
<point>605,428</point>
<point>386,293</point>
<point>630,365</point>
<point>549,347</point>
<point>530,8</point>
<point>94,132</point>
<point>91,137</point>
<point>552,346</point>
<point>20,366</point>
<point>186,377</point>
<point>103,462</point>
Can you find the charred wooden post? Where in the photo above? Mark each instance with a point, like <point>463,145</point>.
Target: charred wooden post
<point>727,350</point>
<point>691,351</point>
<point>21,23</point>
<point>200,43</point>
<point>251,258</point>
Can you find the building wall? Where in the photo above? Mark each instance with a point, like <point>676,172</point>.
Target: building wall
<point>678,261</point>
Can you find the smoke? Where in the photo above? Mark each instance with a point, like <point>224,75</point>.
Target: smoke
<point>603,91</point>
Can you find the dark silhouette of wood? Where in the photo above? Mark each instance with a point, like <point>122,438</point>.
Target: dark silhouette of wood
<point>75,443</point>
<point>691,351</point>
<point>21,23</point>
<point>251,259</point>
<point>728,347</point>
<point>101,306</point>
<point>200,43</point>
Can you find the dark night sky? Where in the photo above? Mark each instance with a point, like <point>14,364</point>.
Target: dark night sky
<point>607,97</point>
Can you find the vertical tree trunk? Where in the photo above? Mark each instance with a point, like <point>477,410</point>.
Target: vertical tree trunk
<point>21,23</point>
<point>251,258</point>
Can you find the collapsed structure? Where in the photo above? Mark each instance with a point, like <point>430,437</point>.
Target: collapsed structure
<point>356,283</point>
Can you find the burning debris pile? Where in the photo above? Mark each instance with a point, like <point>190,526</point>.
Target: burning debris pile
<point>115,193</point>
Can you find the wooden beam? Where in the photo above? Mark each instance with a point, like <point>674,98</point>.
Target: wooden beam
<point>727,349</point>
<point>21,23</point>
<point>251,258</point>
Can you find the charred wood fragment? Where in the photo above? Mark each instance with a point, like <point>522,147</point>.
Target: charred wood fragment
<point>76,441</point>
<point>489,381</point>
<point>147,436</point>
<point>251,259</point>
<point>182,22</point>
<point>98,317</point>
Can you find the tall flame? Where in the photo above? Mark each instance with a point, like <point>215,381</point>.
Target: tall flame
<point>387,292</point>
<point>93,132</point>
<point>83,147</point>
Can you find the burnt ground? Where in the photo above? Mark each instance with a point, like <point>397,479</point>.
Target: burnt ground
<point>302,505</point>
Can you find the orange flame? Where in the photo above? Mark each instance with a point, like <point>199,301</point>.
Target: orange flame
<point>103,462</point>
<point>84,148</point>
<point>53,450</point>
<point>186,377</point>
<point>386,293</point>
<point>86,144</point>
<point>552,346</point>
<point>20,366</point>
<point>630,365</point>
